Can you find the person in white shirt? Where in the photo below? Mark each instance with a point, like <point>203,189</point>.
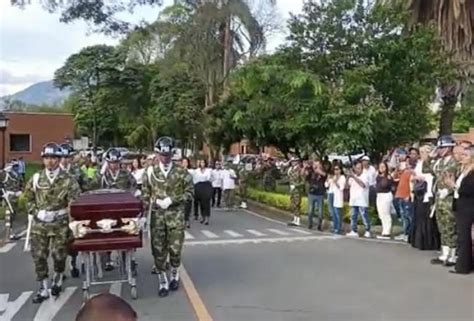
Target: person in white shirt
<point>336,184</point>
<point>228,185</point>
<point>137,172</point>
<point>202,178</point>
<point>359,199</point>
<point>217,178</point>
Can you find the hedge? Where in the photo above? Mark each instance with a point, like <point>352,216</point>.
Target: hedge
<point>282,201</point>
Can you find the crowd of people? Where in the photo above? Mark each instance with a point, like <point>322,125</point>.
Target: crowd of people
<point>429,188</point>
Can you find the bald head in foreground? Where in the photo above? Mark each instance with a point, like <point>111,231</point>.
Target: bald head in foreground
<point>106,307</point>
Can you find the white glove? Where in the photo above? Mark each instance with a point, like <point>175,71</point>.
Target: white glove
<point>18,194</point>
<point>292,187</point>
<point>137,193</point>
<point>165,203</point>
<point>443,193</point>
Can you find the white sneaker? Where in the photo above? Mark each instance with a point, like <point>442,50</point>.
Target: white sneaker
<point>243,205</point>
<point>383,237</point>
<point>400,237</point>
<point>367,235</point>
<point>352,234</point>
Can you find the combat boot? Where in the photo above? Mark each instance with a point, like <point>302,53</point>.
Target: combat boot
<point>74,270</point>
<point>443,257</point>
<point>174,279</point>
<point>163,289</point>
<point>42,293</point>
<point>243,205</point>
<point>57,284</point>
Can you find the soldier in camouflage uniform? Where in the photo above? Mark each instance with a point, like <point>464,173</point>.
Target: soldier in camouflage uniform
<point>10,182</point>
<point>445,166</point>
<point>167,187</point>
<point>75,171</point>
<point>243,175</point>
<point>49,194</point>
<point>296,178</point>
<point>114,177</point>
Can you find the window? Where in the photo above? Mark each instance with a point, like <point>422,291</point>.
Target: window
<point>20,143</point>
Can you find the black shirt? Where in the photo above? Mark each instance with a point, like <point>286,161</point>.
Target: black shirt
<point>316,183</point>
<point>384,184</point>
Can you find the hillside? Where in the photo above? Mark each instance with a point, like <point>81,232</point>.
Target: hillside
<point>42,93</point>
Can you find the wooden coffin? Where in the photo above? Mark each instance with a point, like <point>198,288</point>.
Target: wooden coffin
<point>102,205</point>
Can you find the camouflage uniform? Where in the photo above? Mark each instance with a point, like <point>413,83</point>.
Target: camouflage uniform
<point>297,185</point>
<point>243,180</point>
<point>167,225</point>
<point>124,181</point>
<point>11,183</point>
<point>75,171</point>
<point>47,196</point>
<point>444,203</point>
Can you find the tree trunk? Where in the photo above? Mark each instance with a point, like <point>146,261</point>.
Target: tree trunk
<point>447,117</point>
<point>227,51</point>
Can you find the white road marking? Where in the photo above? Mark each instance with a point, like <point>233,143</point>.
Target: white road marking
<point>3,302</point>
<point>264,217</point>
<point>116,288</point>
<point>256,233</point>
<point>209,234</point>
<point>49,308</point>
<point>12,308</point>
<point>7,247</point>
<point>232,233</point>
<point>263,240</point>
<point>300,231</point>
<point>188,236</point>
<point>276,231</point>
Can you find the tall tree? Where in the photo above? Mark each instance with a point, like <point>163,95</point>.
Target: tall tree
<point>454,21</point>
<point>89,73</point>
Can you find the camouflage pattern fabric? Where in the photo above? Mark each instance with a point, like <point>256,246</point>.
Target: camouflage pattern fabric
<point>229,196</point>
<point>167,225</point>
<point>56,235</point>
<point>243,180</point>
<point>444,212</point>
<point>11,183</point>
<point>50,196</point>
<point>75,171</point>
<point>123,180</point>
<point>269,177</point>
<point>297,186</point>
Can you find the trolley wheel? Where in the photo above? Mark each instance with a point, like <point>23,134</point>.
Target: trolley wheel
<point>85,294</point>
<point>133,292</point>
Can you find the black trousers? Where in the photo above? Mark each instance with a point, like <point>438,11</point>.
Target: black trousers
<point>216,196</point>
<point>202,199</point>
<point>187,210</point>
<point>464,222</point>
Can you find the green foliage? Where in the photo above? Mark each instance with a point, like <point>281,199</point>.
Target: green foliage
<point>349,79</point>
<point>464,117</point>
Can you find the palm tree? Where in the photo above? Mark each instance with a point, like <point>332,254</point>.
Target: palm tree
<point>454,20</point>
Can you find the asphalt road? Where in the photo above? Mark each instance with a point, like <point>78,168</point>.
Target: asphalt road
<point>245,267</point>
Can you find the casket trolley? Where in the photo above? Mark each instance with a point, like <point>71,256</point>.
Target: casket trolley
<point>102,221</point>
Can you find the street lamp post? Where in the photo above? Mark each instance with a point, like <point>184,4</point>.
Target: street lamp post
<point>3,127</point>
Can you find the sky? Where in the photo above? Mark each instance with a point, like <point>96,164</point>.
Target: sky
<point>33,43</point>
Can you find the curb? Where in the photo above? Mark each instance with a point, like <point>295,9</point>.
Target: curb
<point>276,213</point>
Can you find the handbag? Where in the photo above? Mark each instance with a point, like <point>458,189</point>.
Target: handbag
<point>420,188</point>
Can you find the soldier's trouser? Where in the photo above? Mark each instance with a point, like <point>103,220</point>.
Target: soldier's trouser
<point>45,235</point>
<point>166,239</point>
<point>243,192</point>
<point>295,203</point>
<point>446,222</point>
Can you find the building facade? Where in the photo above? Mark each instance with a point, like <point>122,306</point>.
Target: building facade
<point>27,132</point>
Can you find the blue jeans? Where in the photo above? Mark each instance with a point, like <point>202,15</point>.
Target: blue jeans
<point>406,213</point>
<point>335,214</point>
<point>396,205</point>
<point>315,202</point>
<point>355,216</point>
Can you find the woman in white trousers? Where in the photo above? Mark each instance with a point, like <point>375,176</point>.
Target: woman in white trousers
<point>384,188</point>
